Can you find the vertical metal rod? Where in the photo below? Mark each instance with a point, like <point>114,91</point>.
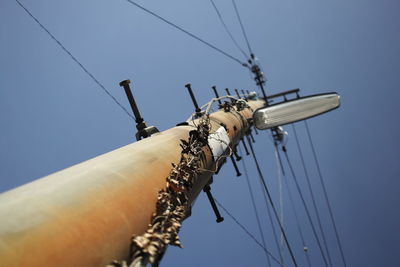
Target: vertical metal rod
<point>197,109</point>
<point>238,158</point>
<point>128,92</point>
<point>251,136</point>
<point>237,92</point>
<point>255,130</point>
<point>235,166</point>
<point>244,94</point>
<point>262,90</point>
<point>207,190</point>
<point>229,93</point>
<point>216,94</point>
<point>245,147</point>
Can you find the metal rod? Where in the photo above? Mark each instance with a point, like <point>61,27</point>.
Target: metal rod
<point>207,190</point>
<point>292,91</point>
<point>237,93</point>
<point>244,95</point>
<point>238,158</point>
<point>216,94</point>
<point>251,136</point>
<point>189,87</point>
<point>245,147</point>
<point>235,166</point>
<point>229,93</point>
<point>132,102</point>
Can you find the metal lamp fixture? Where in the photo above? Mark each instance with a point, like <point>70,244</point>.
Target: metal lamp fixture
<point>295,110</point>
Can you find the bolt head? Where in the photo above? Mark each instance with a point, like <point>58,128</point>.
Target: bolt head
<point>124,83</point>
<point>220,219</point>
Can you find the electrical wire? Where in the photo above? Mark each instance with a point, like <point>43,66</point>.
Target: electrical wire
<point>261,176</point>
<point>241,26</point>
<point>188,33</point>
<point>253,202</point>
<point>305,207</point>
<point>296,216</point>
<point>312,194</point>
<point>247,232</point>
<point>325,194</point>
<point>75,59</point>
<point>281,208</point>
<point>227,29</point>
<point>274,233</point>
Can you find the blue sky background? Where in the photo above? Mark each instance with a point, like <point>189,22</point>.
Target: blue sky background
<point>52,115</point>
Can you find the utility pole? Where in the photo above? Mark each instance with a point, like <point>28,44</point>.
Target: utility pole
<point>86,214</point>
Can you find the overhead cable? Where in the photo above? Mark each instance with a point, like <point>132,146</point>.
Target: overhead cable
<point>188,33</point>
<point>325,194</point>
<point>227,29</point>
<point>261,176</point>
<point>271,221</point>
<point>75,60</point>
<point>296,216</point>
<point>305,207</point>
<point>280,178</point>
<point>312,194</point>
<point>247,232</point>
<point>253,202</point>
<point>241,26</point>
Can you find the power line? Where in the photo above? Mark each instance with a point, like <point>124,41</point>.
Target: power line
<point>325,194</point>
<point>305,206</point>
<point>312,194</point>
<point>254,205</point>
<point>274,234</point>
<point>270,217</point>
<point>305,248</point>
<point>247,231</point>
<point>241,26</point>
<point>188,33</point>
<point>281,208</point>
<point>75,59</point>
<point>261,176</point>
<point>227,30</point>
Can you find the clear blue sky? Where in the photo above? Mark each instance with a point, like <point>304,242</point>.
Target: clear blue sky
<point>52,115</point>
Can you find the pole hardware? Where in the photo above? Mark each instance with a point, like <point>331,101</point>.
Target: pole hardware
<point>244,95</point>
<point>196,106</point>
<point>278,134</point>
<point>245,146</point>
<point>285,93</point>
<point>235,166</point>
<point>207,190</point>
<point>216,94</point>
<point>259,78</point>
<point>250,133</point>
<point>144,130</point>
<point>255,130</point>
<point>238,158</point>
<point>229,93</point>
<point>237,93</point>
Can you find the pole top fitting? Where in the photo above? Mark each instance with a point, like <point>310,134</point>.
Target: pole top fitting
<point>124,82</point>
<point>188,85</point>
